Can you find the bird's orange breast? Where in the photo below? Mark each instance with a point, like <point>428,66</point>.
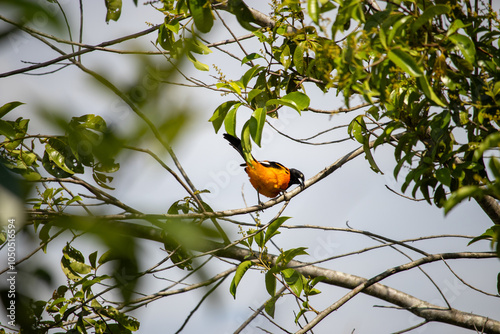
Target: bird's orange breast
<point>268,180</point>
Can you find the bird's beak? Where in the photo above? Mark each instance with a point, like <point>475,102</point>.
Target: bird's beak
<point>301,182</point>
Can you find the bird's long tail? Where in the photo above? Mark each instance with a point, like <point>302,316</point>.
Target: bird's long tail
<point>234,142</point>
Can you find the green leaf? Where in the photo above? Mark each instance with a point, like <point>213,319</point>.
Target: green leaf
<point>250,57</point>
<point>466,46</point>
<point>270,306</point>
<point>462,64</point>
<point>101,179</point>
<point>7,129</point>
<point>87,284</point>
<point>288,255</point>
<point>172,25</point>
<point>92,259</point>
<point>230,120</point>
<point>428,15</point>
<point>346,12</point>
<point>397,28</point>
<point>257,122</point>
<point>459,195</point>
<point>198,65</point>
<point>369,156</point>
<point>439,196</point>
<point>443,175</point>
<point>233,86</point>
<point>240,271</point>
<point>270,282</point>
<point>272,229</point>
<point>110,255</point>
<point>253,93</point>
<point>429,92</point>
<point>197,46</point>
<point>259,239</point>
<point>252,72</point>
<point>57,158</point>
<point>492,141</point>
<point>220,113</point>
<point>313,10</point>
<point>28,158</point>
<point>126,323</point>
<point>495,167</point>
<point>8,107</point>
<point>406,62</point>
<point>356,129</point>
<point>14,130</point>
<point>201,11</point>
<point>491,233</point>
<point>296,100</point>
<point>285,58</point>
<point>316,280</point>
<point>299,314</point>
<point>73,263</point>
<point>294,280</point>
<point>246,143</point>
<point>89,121</point>
<point>165,38</point>
<point>242,13</point>
<point>455,25</point>
<point>298,58</point>
<point>80,267</point>
<point>113,9</point>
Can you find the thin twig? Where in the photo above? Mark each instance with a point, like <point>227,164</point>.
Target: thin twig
<point>422,270</point>
<point>304,141</point>
<point>256,313</point>
<point>409,329</point>
<point>45,243</point>
<point>199,304</point>
<point>376,279</point>
<point>65,56</point>
<point>404,196</point>
<point>232,34</point>
<point>467,284</point>
<point>340,110</point>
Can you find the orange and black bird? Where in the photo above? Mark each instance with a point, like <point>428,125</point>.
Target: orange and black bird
<point>269,178</point>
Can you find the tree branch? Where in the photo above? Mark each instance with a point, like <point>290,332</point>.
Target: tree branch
<point>490,206</point>
<point>371,287</point>
<point>225,213</point>
<point>69,55</point>
<point>357,284</point>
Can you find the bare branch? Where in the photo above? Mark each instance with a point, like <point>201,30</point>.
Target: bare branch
<point>43,244</point>
<point>226,213</point>
<point>304,141</point>
<point>422,309</point>
<point>199,303</point>
<point>256,313</point>
<point>467,284</point>
<point>357,284</point>
<point>69,55</point>
<point>490,206</point>
<point>340,110</point>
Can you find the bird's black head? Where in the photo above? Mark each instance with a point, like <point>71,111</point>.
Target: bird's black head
<point>296,177</point>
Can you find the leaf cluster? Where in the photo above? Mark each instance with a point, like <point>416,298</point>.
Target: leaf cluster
<point>87,143</point>
<point>276,271</point>
<point>76,306</point>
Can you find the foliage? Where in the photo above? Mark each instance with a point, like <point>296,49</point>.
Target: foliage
<point>429,72</point>
<point>278,271</point>
<point>426,71</point>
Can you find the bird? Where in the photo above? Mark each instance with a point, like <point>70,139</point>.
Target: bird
<point>269,178</point>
